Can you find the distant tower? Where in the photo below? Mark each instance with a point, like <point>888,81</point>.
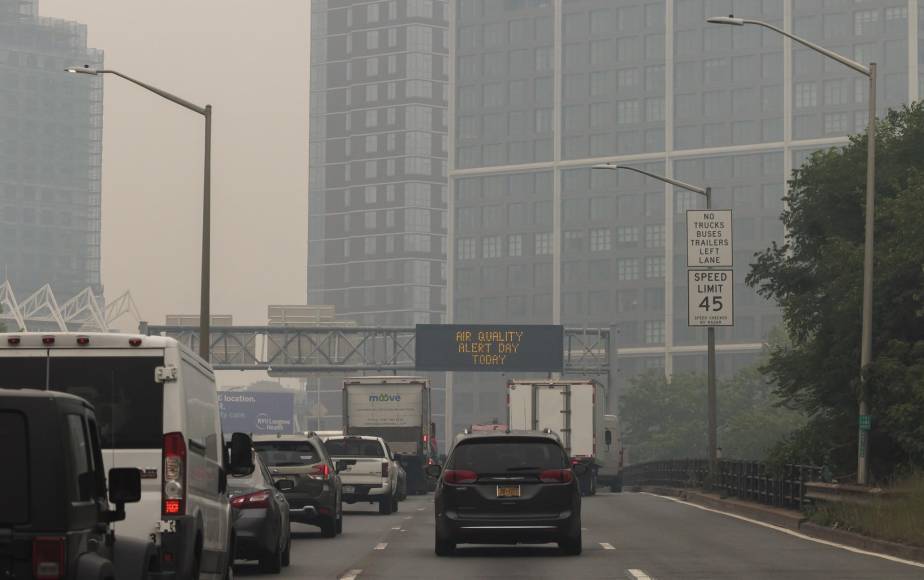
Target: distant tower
<point>377,161</point>
<point>50,164</point>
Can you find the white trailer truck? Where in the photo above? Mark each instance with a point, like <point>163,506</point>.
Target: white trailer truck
<point>397,409</point>
<point>573,410</point>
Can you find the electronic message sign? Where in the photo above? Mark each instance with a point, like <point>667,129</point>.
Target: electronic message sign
<point>490,347</point>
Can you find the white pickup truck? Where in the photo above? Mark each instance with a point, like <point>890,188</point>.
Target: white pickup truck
<point>373,474</point>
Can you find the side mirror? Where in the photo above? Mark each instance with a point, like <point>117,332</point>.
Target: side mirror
<point>608,437</point>
<point>397,457</point>
<point>433,470</point>
<point>285,485</point>
<point>241,454</point>
<point>124,485</point>
<point>579,468</point>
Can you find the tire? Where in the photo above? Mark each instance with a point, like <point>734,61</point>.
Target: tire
<point>287,553</point>
<point>394,504</point>
<point>339,524</point>
<point>386,506</point>
<point>616,484</point>
<point>593,483</point>
<point>571,544</point>
<point>272,563</point>
<point>443,546</point>
<point>328,527</point>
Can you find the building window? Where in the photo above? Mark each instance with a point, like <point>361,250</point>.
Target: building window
<point>627,112</point>
<point>543,120</point>
<point>466,249</point>
<point>864,21</point>
<point>600,84</point>
<point>654,236</point>
<point>600,240</point>
<point>543,244</point>
<point>806,95</point>
<point>372,118</point>
<point>369,220</point>
<point>654,267</point>
<point>369,245</point>
<point>417,220</point>
<point>837,92</point>
<point>835,123</point>
<point>544,58</point>
<point>654,110</point>
<point>627,269</point>
<point>574,241</point>
<point>627,234</point>
<point>515,245</point>
<point>491,247</point>
<point>372,13</point>
<point>372,39</point>
<point>417,243</point>
<point>654,331</point>
<point>684,200</point>
<point>372,67</point>
<point>372,93</point>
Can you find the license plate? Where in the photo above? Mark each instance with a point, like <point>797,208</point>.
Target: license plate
<point>508,491</point>
<point>348,489</point>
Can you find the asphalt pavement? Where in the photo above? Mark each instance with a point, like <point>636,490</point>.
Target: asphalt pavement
<point>627,535</point>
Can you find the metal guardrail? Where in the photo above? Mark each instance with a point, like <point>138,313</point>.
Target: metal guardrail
<point>748,480</point>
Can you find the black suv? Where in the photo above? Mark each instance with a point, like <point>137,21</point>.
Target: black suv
<point>54,514</point>
<point>507,488</point>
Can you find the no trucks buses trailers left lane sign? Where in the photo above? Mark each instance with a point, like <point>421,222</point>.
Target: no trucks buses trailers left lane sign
<point>490,347</point>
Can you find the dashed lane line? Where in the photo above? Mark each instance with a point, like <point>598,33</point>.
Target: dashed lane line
<point>607,546</point>
<point>351,574</point>
<point>381,546</point>
<point>793,533</point>
<point>638,574</point>
<point>398,528</point>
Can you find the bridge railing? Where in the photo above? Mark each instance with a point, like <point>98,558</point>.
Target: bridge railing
<point>780,486</point>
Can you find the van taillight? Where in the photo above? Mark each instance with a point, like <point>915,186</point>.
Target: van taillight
<point>48,561</point>
<point>173,490</point>
<point>459,476</point>
<point>13,341</point>
<point>83,340</point>
<point>385,469</point>
<point>556,476</point>
<point>48,340</point>
<point>134,342</point>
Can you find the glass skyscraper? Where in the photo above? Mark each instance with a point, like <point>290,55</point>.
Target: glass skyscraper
<point>378,146</point>
<point>50,154</point>
<point>544,89</point>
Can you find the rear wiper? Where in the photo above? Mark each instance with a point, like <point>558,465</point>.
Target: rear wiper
<point>526,468</point>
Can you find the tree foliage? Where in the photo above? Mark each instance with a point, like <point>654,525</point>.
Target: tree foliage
<point>667,420</point>
<point>816,278</point>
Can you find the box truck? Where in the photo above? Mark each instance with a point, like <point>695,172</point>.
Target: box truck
<point>397,409</point>
<point>573,410</point>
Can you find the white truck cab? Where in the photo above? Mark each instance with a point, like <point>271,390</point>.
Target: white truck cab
<point>372,473</point>
<point>157,409</point>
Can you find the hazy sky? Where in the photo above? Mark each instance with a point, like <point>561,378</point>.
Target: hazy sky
<point>249,60</point>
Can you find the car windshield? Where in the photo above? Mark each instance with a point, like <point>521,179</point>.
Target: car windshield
<point>502,456</point>
<point>127,401</point>
<point>287,453</point>
<point>354,448</point>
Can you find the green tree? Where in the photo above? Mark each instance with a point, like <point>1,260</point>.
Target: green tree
<point>816,278</point>
<point>667,420</point>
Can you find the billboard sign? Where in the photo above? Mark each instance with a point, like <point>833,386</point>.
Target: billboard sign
<point>257,412</point>
<point>490,347</point>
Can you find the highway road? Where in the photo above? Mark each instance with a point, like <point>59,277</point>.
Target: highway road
<point>629,535</point>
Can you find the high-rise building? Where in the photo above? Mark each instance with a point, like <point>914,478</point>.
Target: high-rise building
<point>377,167</point>
<point>544,89</point>
<point>51,154</point>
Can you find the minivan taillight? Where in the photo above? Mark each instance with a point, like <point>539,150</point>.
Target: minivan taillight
<point>459,476</point>
<point>173,491</point>
<point>48,561</point>
<point>385,469</point>
<point>556,476</point>
<point>321,471</point>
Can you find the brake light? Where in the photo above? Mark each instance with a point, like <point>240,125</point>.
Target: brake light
<point>385,469</point>
<point>322,470</point>
<point>134,342</point>
<point>83,340</point>
<point>257,499</point>
<point>459,476</point>
<point>556,476</point>
<point>173,491</point>
<point>48,340</point>
<point>48,560</point>
<point>13,341</point>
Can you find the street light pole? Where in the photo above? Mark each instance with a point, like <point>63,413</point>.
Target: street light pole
<point>711,397</point>
<point>206,111</point>
<point>866,340</point>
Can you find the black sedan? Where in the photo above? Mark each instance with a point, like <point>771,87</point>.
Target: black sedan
<point>261,518</point>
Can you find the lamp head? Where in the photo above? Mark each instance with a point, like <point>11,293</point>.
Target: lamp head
<point>84,70</point>
<point>730,19</point>
<point>606,166</point>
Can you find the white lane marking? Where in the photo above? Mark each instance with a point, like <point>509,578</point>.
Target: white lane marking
<point>408,517</point>
<point>351,574</point>
<point>638,574</point>
<point>583,529</point>
<point>607,546</point>
<point>793,533</point>
<point>420,509</point>
<point>403,530</point>
<point>381,546</point>
<point>398,528</point>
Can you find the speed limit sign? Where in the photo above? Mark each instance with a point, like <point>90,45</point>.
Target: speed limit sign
<point>711,298</point>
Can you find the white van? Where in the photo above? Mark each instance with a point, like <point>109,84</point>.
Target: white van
<point>157,408</point>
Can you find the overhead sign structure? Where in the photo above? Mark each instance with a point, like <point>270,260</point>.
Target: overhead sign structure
<point>256,412</point>
<point>709,238</point>
<point>490,347</point>
<point>711,300</point>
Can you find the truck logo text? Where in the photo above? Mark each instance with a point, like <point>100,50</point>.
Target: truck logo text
<point>383,398</point>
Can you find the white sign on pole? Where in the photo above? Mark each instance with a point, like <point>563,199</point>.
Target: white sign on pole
<point>709,238</point>
<point>710,298</point>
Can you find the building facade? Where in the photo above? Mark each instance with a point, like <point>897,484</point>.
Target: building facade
<point>377,168</point>
<point>544,89</point>
<point>51,154</point>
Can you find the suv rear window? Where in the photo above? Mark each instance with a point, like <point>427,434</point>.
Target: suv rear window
<point>283,453</point>
<point>504,455</point>
<point>353,448</point>
<point>14,457</point>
